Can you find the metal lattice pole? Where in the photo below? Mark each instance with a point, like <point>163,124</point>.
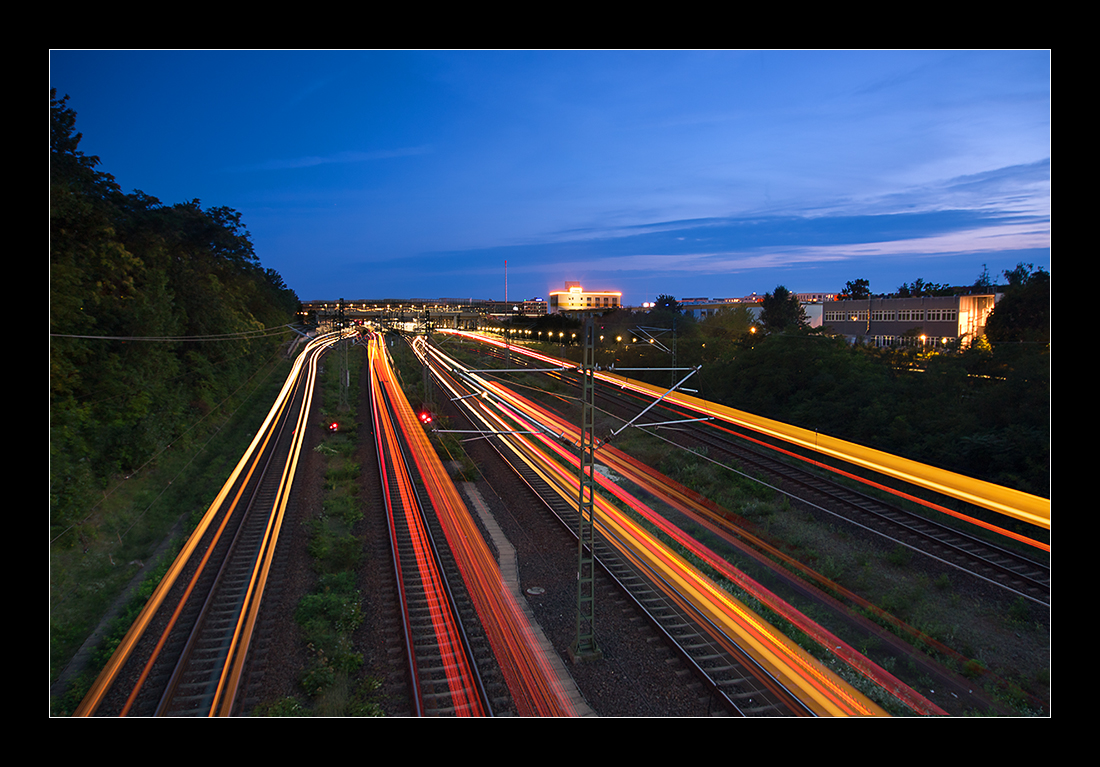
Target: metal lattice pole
<point>584,647</point>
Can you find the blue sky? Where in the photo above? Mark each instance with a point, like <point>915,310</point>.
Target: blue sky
<point>371,174</point>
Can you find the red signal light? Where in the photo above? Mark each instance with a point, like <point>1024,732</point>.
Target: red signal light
<point>333,426</point>
<point>425,417</point>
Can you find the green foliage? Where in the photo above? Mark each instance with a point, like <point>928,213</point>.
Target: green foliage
<point>318,678</point>
<point>984,283</point>
<point>782,312</point>
<point>899,556</point>
<point>856,289</point>
<point>1023,315</point>
<point>1019,611</point>
<point>328,618</point>
<point>364,701</point>
<point>922,288</point>
<point>333,606</point>
<point>332,612</point>
<point>125,267</point>
<point>983,412</point>
<point>668,303</point>
<point>345,508</point>
<point>553,324</point>
<point>282,707</point>
<point>973,669</point>
<point>332,548</point>
<point>731,323</point>
<point>343,472</point>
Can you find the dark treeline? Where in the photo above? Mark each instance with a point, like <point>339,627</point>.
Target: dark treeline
<point>983,411</point>
<point>123,267</point>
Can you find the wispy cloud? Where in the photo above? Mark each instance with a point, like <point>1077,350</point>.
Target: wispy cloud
<point>339,158</point>
<point>701,249</point>
<point>992,239</point>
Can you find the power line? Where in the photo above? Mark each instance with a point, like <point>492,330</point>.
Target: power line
<point>223,337</point>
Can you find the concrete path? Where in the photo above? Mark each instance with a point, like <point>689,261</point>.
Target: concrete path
<point>509,572</point>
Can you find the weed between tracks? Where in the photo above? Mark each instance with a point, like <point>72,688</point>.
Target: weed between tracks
<point>331,613</point>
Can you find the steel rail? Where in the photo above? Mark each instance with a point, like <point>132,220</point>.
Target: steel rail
<point>239,479</point>
<point>410,655</point>
<point>561,488</point>
<point>1012,503</point>
<point>533,683</point>
<point>831,696</point>
<point>463,678</point>
<point>229,685</point>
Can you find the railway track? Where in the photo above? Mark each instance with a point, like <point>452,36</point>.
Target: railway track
<point>199,681</point>
<point>518,677</point>
<point>626,402</point>
<point>730,675</point>
<point>442,664</point>
<point>1014,570</point>
<point>189,653</point>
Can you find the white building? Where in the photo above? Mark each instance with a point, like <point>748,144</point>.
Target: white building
<point>923,320</point>
<point>574,299</point>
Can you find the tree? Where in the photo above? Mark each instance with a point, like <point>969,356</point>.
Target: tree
<point>782,311</point>
<point>667,303</point>
<point>68,165</point>
<point>984,283</point>
<point>1024,312</point>
<point>124,267</point>
<point>731,322</point>
<point>922,288</point>
<point>857,289</point>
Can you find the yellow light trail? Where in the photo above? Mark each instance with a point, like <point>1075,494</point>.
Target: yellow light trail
<point>818,687</point>
<point>674,495</point>
<point>1025,507</point>
<point>533,684</point>
<point>126,647</point>
<point>229,683</point>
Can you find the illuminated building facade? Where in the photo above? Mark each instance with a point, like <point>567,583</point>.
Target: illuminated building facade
<point>574,300</point>
<point>533,307</point>
<point>923,320</point>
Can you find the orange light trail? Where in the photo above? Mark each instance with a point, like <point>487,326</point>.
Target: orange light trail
<point>1015,504</point>
<point>110,672</point>
<point>535,687</point>
<point>703,512</point>
<point>660,487</point>
<point>460,676</point>
<point>820,688</point>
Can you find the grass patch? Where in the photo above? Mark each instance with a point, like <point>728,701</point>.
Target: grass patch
<point>332,681</point>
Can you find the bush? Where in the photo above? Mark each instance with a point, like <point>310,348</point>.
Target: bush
<point>973,669</point>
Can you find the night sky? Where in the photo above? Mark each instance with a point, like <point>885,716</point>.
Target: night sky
<point>420,174</point>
